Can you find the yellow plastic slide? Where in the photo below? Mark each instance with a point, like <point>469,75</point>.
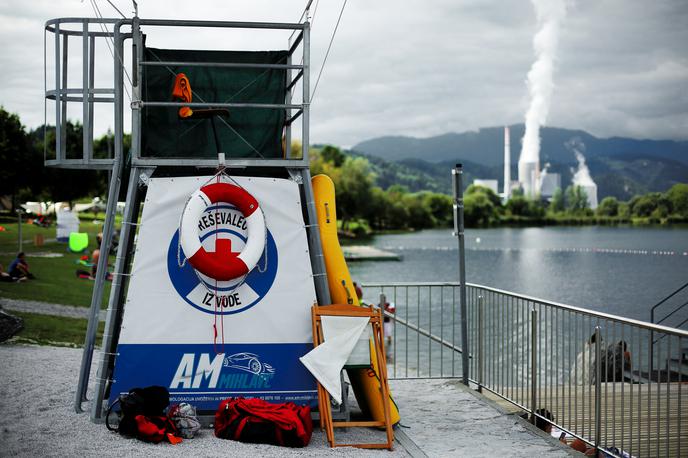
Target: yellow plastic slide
<point>365,382</point>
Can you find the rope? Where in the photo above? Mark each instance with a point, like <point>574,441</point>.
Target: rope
<point>305,10</point>
<point>217,300</point>
<point>315,11</point>
<point>315,88</point>
<point>116,9</point>
<point>108,39</point>
<point>242,138</point>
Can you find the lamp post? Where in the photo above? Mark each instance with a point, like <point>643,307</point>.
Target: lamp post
<point>19,225</point>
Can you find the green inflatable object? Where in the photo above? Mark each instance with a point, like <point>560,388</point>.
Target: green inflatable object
<point>78,241</point>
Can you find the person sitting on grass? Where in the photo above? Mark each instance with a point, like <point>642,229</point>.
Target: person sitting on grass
<point>7,278</point>
<point>94,259</point>
<point>20,268</point>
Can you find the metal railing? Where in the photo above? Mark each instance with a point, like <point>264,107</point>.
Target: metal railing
<point>599,375</point>
<point>674,300</point>
<point>425,340</point>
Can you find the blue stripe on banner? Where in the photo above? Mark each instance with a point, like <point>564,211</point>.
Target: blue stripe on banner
<point>194,373</point>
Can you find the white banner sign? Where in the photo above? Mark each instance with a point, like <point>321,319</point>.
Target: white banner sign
<point>207,340</point>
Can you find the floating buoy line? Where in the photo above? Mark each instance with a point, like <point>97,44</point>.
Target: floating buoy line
<point>548,250</point>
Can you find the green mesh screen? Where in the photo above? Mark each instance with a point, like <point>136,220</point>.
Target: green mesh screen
<point>244,133</point>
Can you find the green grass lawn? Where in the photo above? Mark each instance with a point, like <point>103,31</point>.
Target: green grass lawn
<point>54,330</point>
<point>55,282</point>
<point>56,277</point>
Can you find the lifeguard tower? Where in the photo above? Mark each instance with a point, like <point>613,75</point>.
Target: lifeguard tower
<point>246,104</point>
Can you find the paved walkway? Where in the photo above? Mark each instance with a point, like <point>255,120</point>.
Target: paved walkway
<point>444,418</point>
<point>46,308</point>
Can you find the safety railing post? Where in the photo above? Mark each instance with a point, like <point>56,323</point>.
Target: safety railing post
<point>481,344</point>
<point>533,364</point>
<point>598,388</point>
<point>457,184</point>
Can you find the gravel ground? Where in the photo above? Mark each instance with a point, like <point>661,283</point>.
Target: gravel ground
<point>443,418</point>
<point>37,418</point>
<point>46,308</point>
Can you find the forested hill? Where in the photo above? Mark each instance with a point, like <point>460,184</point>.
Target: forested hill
<point>486,146</point>
<point>620,177</point>
<point>621,167</point>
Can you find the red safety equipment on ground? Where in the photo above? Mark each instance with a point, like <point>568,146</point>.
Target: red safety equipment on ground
<point>227,266</point>
<point>257,421</point>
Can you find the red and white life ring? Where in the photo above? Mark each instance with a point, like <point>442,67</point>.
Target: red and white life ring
<point>234,267</point>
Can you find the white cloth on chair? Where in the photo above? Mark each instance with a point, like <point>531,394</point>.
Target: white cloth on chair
<point>326,361</point>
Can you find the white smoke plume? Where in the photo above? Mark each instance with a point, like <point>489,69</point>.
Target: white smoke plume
<point>550,15</point>
<point>581,177</point>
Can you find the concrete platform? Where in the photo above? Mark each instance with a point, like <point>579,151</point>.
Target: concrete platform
<point>444,418</point>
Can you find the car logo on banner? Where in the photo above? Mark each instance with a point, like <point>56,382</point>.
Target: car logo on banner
<point>248,362</point>
<point>222,228</point>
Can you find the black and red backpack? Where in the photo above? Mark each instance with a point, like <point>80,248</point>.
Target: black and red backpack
<point>142,415</point>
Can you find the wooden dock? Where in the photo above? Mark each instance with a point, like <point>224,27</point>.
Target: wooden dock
<point>645,420</point>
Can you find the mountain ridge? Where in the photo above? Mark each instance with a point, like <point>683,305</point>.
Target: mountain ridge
<point>486,146</point>
<point>618,176</point>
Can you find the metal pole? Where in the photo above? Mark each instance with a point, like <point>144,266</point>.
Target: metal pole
<point>457,175</point>
<point>598,389</point>
<point>58,98</point>
<point>481,344</point>
<point>124,252</point>
<point>85,88</point>
<point>65,83</point>
<point>287,100</point>
<point>652,341</point>
<point>306,92</point>
<point>19,229</point>
<point>533,364</point>
<point>322,290</point>
<point>116,294</point>
<point>108,228</point>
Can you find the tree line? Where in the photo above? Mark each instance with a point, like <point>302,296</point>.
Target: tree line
<point>361,205</point>
<point>484,208</point>
<point>23,176</point>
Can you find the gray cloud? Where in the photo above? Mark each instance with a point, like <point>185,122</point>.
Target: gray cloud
<point>425,68</point>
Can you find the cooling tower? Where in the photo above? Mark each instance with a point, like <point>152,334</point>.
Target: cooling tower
<point>527,175</point>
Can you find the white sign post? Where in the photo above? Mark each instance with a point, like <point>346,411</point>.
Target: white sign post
<point>67,222</point>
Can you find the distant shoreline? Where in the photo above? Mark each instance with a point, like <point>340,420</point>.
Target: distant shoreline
<point>350,238</point>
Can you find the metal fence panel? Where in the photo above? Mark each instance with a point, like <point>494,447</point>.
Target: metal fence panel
<point>612,382</point>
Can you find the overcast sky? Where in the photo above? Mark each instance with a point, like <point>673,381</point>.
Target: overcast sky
<point>418,68</point>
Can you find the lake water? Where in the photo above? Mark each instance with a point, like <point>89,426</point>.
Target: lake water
<point>618,270</point>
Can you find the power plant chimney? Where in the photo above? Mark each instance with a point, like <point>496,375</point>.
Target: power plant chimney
<point>507,164</point>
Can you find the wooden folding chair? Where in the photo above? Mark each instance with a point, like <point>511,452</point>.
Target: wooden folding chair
<point>326,422</point>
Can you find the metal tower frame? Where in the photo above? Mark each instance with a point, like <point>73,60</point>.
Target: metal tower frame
<point>142,168</point>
